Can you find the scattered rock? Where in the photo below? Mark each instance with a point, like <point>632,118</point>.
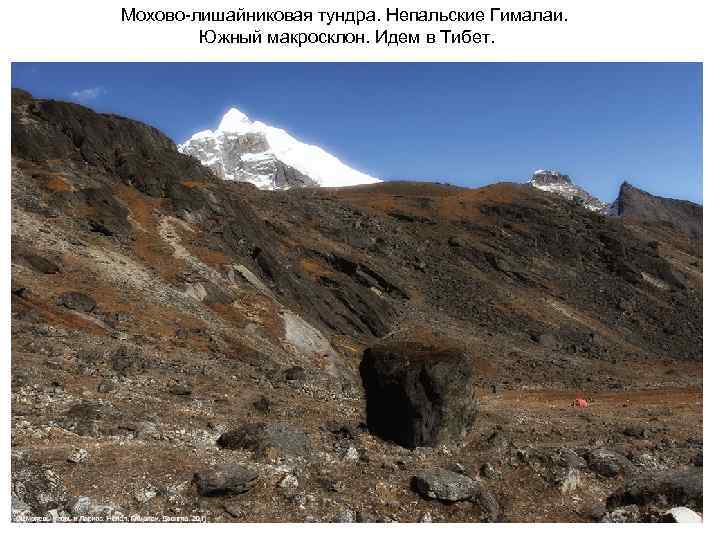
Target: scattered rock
<point>489,472</point>
<point>39,263</point>
<point>646,461</point>
<point>224,480</point>
<point>19,509</point>
<point>89,418</point>
<point>546,340</point>
<point>260,436</point>
<point>145,495</point>
<point>570,481</point>
<point>77,301</point>
<point>608,463</point>
<point>344,516</point>
<point>455,241</point>
<point>235,510</point>
<point>595,511</point>
<point>36,487</point>
<point>343,430</point>
<point>637,432</point>
<point>78,455</point>
<point>84,506</point>
<point>262,405</point>
<point>445,485</point>
<point>295,373</point>
<point>180,389</point>
<point>124,359</point>
<point>289,485</point>
<point>448,486</point>
<point>106,386</point>
<point>626,514</point>
<point>418,391</point>
<point>425,518</point>
<point>664,488</point>
<point>351,454</point>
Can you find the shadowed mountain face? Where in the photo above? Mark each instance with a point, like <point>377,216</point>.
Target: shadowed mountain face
<point>159,305</point>
<point>636,204</point>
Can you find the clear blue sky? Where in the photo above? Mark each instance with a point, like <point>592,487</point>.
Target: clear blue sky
<point>468,124</point>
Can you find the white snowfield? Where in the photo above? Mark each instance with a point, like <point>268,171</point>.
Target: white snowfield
<point>312,161</point>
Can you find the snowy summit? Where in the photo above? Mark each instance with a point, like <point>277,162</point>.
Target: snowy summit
<point>242,150</point>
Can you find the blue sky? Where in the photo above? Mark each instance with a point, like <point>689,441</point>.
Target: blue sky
<point>464,123</point>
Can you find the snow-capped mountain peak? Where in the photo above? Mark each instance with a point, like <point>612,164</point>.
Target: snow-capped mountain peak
<point>233,121</point>
<point>243,150</point>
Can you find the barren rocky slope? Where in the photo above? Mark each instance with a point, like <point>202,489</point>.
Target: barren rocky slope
<point>189,348</point>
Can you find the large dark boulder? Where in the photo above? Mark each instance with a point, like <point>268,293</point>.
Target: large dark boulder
<point>418,391</point>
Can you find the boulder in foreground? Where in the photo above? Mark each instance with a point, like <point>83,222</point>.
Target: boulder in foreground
<point>448,486</point>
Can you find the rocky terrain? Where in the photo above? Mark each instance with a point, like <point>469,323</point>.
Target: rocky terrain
<point>190,349</point>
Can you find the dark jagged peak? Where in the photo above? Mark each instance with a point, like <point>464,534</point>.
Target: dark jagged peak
<point>637,204</point>
<point>561,184</point>
<point>45,129</point>
<point>544,177</point>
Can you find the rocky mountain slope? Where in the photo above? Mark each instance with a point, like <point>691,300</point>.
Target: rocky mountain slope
<point>188,347</point>
<point>241,150</point>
